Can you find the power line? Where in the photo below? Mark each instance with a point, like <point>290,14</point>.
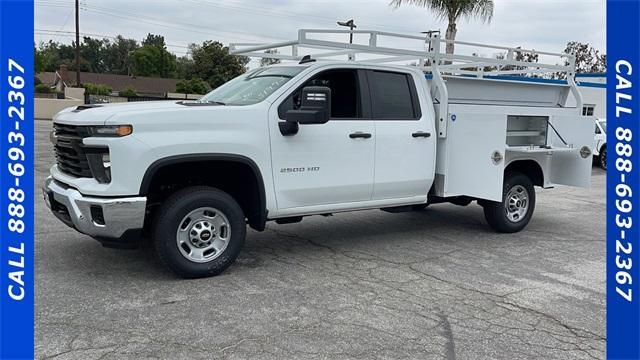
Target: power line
<point>264,11</point>
<point>159,22</point>
<point>65,21</point>
<point>98,35</point>
<point>254,10</point>
<point>72,34</point>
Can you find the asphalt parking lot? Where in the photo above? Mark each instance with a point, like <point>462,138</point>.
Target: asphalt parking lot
<point>436,284</point>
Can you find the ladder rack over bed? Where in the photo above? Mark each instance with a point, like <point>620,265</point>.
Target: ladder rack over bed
<point>425,52</point>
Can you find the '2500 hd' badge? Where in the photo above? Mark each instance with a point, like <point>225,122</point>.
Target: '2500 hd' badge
<point>300,169</point>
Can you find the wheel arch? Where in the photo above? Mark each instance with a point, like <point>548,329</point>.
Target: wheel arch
<point>529,167</point>
<point>254,200</point>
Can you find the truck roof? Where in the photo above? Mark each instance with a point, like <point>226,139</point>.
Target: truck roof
<point>472,83</point>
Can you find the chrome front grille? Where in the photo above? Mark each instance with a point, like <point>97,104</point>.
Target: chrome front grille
<point>70,153</point>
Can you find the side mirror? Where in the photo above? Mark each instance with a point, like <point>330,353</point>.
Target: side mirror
<point>315,106</point>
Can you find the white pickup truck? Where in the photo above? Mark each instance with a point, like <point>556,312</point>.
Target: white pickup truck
<point>318,137</point>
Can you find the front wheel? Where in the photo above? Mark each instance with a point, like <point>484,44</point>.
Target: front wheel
<point>199,232</point>
<point>518,202</point>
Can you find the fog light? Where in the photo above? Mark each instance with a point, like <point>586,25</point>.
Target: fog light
<point>100,165</point>
<point>97,216</point>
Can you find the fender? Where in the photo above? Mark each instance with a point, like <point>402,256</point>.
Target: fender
<point>258,225</point>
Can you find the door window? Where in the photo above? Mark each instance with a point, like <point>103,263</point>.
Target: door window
<point>345,94</point>
<point>393,96</point>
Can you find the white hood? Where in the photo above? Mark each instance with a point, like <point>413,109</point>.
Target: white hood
<point>99,114</point>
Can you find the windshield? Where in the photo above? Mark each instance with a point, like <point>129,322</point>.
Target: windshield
<point>252,87</point>
<point>603,125</point>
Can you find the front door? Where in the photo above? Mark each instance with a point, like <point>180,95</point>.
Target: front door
<point>323,164</point>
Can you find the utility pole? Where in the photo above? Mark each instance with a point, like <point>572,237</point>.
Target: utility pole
<point>78,43</point>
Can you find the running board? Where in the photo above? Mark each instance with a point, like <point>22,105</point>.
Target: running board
<point>398,209</point>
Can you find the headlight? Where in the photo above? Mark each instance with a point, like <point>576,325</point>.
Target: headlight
<point>111,130</point>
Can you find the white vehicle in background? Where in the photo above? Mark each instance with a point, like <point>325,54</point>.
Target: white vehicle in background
<point>600,146</point>
<point>315,137</point>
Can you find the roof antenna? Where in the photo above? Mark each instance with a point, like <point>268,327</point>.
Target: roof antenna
<point>306,59</point>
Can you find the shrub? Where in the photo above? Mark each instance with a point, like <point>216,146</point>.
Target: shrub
<point>43,89</point>
<point>128,91</point>
<point>36,81</point>
<point>192,86</point>
<point>96,89</point>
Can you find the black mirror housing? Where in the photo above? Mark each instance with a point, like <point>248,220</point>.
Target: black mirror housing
<point>315,107</point>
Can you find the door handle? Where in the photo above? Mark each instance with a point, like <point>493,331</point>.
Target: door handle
<point>421,134</point>
<point>359,135</point>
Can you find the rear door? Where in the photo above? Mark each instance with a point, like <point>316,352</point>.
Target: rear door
<point>405,139</point>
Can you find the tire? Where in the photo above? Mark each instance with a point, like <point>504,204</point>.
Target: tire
<point>519,192</point>
<point>602,158</point>
<point>199,232</point>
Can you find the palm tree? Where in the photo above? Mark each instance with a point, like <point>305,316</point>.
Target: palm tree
<point>453,10</point>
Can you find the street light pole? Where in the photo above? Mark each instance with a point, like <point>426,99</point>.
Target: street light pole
<point>351,25</point>
<point>78,43</point>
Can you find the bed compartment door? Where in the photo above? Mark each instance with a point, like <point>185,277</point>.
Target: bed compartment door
<point>569,167</point>
<point>472,139</point>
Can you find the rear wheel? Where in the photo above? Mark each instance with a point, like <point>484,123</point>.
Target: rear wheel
<point>518,202</point>
<point>602,158</point>
<point>199,232</point>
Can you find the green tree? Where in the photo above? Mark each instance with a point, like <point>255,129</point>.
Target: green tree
<point>192,86</point>
<point>153,59</point>
<point>50,55</point>
<point>92,51</point>
<point>116,55</point>
<point>96,89</point>
<point>213,63</point>
<point>154,40</point>
<point>43,89</point>
<point>454,10</point>
<point>269,61</point>
<point>588,58</point>
<point>128,91</point>
<point>184,67</point>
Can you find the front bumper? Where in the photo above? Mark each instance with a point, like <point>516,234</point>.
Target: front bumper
<point>101,218</point>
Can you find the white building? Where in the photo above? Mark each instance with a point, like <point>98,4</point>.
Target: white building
<point>594,94</point>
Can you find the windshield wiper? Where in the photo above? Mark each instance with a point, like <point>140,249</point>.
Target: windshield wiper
<point>270,75</point>
<point>216,102</point>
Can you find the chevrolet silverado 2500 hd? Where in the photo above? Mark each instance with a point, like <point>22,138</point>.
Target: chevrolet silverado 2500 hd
<point>312,137</point>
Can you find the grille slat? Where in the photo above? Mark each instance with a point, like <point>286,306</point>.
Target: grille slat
<point>69,150</point>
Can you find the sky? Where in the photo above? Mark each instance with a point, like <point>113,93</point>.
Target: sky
<point>545,25</point>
